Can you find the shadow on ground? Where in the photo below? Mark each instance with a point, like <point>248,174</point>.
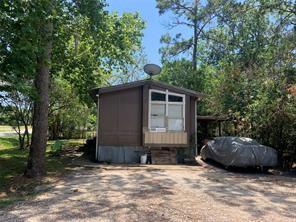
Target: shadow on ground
<point>161,195</point>
<point>93,195</point>
<point>255,192</point>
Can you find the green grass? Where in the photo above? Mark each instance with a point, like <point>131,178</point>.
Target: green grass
<point>13,162</point>
<point>8,142</point>
<point>10,201</point>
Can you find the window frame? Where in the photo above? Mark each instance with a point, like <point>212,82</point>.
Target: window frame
<point>167,103</point>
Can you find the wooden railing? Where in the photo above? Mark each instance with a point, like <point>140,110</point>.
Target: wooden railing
<point>165,138</point>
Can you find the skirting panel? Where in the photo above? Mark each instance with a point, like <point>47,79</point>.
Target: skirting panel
<point>120,154</point>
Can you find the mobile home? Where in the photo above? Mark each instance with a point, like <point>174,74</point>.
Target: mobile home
<point>145,116</point>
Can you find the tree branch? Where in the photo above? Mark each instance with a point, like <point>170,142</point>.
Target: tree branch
<point>180,6</point>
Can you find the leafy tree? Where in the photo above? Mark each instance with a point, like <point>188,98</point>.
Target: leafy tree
<point>175,71</point>
<point>130,72</point>
<point>16,111</point>
<point>90,57</point>
<point>75,40</point>
<point>27,30</point>
<point>68,117</point>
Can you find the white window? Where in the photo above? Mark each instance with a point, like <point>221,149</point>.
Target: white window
<point>166,111</point>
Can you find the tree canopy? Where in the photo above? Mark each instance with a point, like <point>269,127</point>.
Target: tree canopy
<point>245,66</point>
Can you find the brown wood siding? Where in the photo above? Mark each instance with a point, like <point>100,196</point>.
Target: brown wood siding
<point>187,117</point>
<point>192,114</point>
<point>120,118</point>
<point>145,108</point>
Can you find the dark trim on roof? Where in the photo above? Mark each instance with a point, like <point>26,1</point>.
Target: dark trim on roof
<point>97,91</point>
<point>120,86</point>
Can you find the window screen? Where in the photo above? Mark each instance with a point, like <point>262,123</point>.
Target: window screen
<point>175,111</point>
<point>175,117</point>
<point>175,124</point>
<point>157,122</point>
<point>157,116</point>
<point>157,109</point>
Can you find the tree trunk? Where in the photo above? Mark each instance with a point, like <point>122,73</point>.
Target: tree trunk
<point>195,36</point>
<point>21,141</point>
<point>27,135</point>
<point>194,53</point>
<point>36,160</point>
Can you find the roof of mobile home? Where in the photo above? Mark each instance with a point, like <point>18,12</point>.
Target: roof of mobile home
<point>102,90</point>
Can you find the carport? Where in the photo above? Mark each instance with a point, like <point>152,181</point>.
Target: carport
<point>204,121</point>
<point>209,127</point>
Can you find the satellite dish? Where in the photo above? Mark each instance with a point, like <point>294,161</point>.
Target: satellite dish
<point>152,69</point>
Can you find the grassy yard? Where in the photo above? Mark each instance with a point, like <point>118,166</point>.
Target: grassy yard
<point>12,164</point>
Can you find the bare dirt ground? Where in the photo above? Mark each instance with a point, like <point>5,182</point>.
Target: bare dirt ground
<point>161,193</point>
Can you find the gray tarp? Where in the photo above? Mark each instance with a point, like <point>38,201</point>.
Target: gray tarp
<point>240,152</point>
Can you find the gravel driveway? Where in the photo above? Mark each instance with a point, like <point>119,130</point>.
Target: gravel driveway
<point>161,193</point>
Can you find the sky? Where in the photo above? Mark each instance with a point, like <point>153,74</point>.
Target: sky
<point>155,24</point>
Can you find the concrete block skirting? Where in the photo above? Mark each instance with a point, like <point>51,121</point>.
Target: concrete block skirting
<point>164,155</point>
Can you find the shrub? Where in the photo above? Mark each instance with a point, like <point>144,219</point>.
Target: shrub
<point>89,148</point>
<point>56,148</point>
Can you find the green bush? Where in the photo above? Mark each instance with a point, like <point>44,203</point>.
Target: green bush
<point>56,148</point>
